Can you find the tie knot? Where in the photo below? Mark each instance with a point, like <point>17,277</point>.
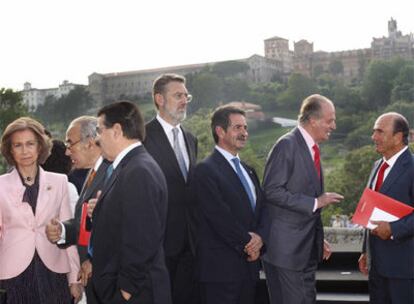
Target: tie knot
<point>316,148</point>
<point>384,166</point>
<point>236,161</point>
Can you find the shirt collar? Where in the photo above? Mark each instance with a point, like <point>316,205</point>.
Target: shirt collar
<point>165,125</point>
<point>391,161</point>
<point>227,155</point>
<point>124,152</point>
<point>307,137</point>
<point>98,163</point>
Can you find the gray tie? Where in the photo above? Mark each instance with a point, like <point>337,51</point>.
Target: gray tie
<point>179,153</point>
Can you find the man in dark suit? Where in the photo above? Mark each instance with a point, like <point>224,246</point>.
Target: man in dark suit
<point>175,151</point>
<point>230,203</point>
<point>293,185</point>
<point>130,214</point>
<point>85,154</point>
<point>391,245</point>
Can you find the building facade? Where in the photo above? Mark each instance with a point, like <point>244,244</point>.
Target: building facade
<point>33,97</point>
<point>348,65</point>
<point>113,86</point>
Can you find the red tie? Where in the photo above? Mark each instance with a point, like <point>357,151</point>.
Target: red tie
<point>317,159</point>
<point>380,176</point>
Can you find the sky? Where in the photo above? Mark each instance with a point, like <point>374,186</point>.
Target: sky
<point>47,41</point>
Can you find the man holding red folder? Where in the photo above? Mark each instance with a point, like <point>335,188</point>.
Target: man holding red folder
<point>85,154</point>
<point>390,246</point>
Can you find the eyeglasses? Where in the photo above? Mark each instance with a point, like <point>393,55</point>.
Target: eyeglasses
<point>70,145</point>
<point>180,96</point>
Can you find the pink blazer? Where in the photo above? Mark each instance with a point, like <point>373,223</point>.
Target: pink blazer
<point>21,233</point>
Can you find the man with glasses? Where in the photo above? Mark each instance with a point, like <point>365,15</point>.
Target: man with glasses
<point>175,151</point>
<point>85,154</point>
<point>130,216</point>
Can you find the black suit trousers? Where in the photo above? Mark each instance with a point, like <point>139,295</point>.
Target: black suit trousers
<point>184,288</point>
<point>384,290</point>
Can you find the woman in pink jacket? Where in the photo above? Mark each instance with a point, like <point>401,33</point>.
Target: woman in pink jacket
<point>33,270</point>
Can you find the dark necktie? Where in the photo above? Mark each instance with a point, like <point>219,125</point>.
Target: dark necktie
<point>108,173</point>
<point>179,154</point>
<point>244,182</point>
<point>317,159</point>
<point>380,176</point>
<point>90,178</point>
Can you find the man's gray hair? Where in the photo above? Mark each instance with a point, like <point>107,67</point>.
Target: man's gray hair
<point>87,126</point>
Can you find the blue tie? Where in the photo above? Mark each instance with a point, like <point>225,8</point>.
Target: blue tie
<point>108,173</point>
<point>244,182</point>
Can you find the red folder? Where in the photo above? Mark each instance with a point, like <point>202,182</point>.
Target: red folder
<point>83,233</point>
<point>374,201</point>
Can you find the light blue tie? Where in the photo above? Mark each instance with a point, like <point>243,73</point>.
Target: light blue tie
<point>244,182</point>
<point>179,153</point>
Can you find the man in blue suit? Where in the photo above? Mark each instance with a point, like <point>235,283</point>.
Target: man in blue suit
<point>230,202</point>
<point>390,246</point>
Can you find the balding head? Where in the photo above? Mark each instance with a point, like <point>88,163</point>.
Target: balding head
<point>390,133</point>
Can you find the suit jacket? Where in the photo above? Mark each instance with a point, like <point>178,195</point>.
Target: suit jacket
<point>226,218</point>
<point>128,233</point>
<point>72,226</point>
<point>22,233</point>
<point>395,258</point>
<point>291,184</point>
<point>181,220</point>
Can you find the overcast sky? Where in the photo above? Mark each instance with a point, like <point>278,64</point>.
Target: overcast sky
<point>47,41</point>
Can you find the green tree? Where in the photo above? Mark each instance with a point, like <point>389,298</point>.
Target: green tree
<point>336,67</point>
<point>11,107</point>
<point>77,102</point>
<point>379,82</point>
<point>299,87</point>
<point>229,68</point>
<point>404,85</point>
<point>351,178</point>
<point>206,89</point>
<point>317,71</point>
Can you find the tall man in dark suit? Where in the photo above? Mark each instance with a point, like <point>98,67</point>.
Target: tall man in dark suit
<point>230,203</point>
<point>391,245</point>
<point>175,151</point>
<point>130,215</point>
<point>85,154</point>
<point>293,185</point>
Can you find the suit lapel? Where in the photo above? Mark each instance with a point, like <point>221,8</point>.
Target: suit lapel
<point>109,184</point>
<point>164,146</point>
<point>396,170</point>
<point>227,170</point>
<point>308,161</point>
<point>192,158</point>
<point>98,180</point>
<point>45,186</point>
<point>373,174</point>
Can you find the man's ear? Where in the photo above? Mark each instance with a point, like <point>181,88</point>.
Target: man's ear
<point>159,100</point>
<point>220,131</point>
<point>117,129</point>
